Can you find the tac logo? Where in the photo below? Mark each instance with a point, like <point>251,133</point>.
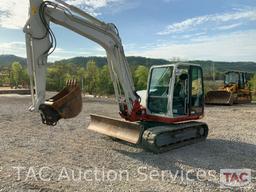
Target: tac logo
<point>235,178</point>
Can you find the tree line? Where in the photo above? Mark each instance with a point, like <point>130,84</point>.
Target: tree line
<point>14,76</point>
<point>93,79</point>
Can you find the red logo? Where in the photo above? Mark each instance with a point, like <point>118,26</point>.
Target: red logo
<point>235,178</point>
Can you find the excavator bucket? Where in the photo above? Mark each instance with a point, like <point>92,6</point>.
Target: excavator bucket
<point>66,104</point>
<point>127,131</point>
<point>219,97</point>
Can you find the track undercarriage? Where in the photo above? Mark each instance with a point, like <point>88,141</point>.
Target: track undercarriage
<point>152,136</point>
<point>166,137</point>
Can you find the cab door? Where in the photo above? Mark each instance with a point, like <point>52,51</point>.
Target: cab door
<point>158,89</point>
<point>181,91</point>
<point>196,91</point>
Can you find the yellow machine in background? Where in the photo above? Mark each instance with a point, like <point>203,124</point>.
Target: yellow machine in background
<point>235,90</point>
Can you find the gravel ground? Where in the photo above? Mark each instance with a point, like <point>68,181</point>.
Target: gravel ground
<point>68,157</point>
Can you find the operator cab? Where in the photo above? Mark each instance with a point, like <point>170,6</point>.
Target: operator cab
<point>175,90</point>
<point>236,77</point>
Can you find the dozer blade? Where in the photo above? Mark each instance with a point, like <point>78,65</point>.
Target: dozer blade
<point>127,131</point>
<point>219,97</point>
<point>66,104</point>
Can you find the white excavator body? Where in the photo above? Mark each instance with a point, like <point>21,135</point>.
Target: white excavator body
<point>159,118</point>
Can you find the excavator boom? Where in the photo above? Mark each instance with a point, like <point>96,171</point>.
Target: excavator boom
<point>40,42</point>
<point>174,95</point>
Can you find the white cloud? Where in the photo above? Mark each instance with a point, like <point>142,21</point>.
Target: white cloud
<point>240,46</point>
<point>60,53</point>
<point>248,14</point>
<point>182,26</point>
<point>92,6</point>
<point>95,4</point>
<point>19,49</point>
<point>227,27</point>
<point>14,48</point>
<point>13,13</point>
<point>192,35</point>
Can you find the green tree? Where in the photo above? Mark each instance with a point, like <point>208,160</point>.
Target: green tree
<point>16,73</point>
<point>91,79</point>
<point>53,79</point>
<point>252,84</point>
<point>140,77</point>
<point>5,77</point>
<point>25,77</point>
<point>58,74</point>
<point>105,84</point>
<point>81,77</point>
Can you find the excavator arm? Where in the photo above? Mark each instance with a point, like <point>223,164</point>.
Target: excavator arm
<point>41,42</point>
<point>162,124</point>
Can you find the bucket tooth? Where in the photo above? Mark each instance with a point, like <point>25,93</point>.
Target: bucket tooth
<point>127,131</point>
<point>66,104</point>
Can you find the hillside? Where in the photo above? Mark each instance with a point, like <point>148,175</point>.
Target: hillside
<point>224,66</point>
<point>6,60</point>
<point>100,61</point>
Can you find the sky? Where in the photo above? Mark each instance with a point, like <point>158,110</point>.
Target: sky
<point>220,30</point>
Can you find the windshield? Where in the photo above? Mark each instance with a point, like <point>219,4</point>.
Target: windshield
<point>159,89</point>
<point>160,78</point>
<point>231,77</point>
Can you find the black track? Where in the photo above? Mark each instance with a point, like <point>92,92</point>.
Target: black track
<point>165,137</point>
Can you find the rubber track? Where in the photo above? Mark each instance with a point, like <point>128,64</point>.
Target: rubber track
<point>150,136</point>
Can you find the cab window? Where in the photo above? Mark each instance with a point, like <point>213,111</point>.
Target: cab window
<point>197,91</point>
<point>181,91</point>
<point>159,89</point>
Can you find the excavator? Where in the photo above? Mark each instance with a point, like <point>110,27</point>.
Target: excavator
<point>161,118</point>
<point>234,91</point>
